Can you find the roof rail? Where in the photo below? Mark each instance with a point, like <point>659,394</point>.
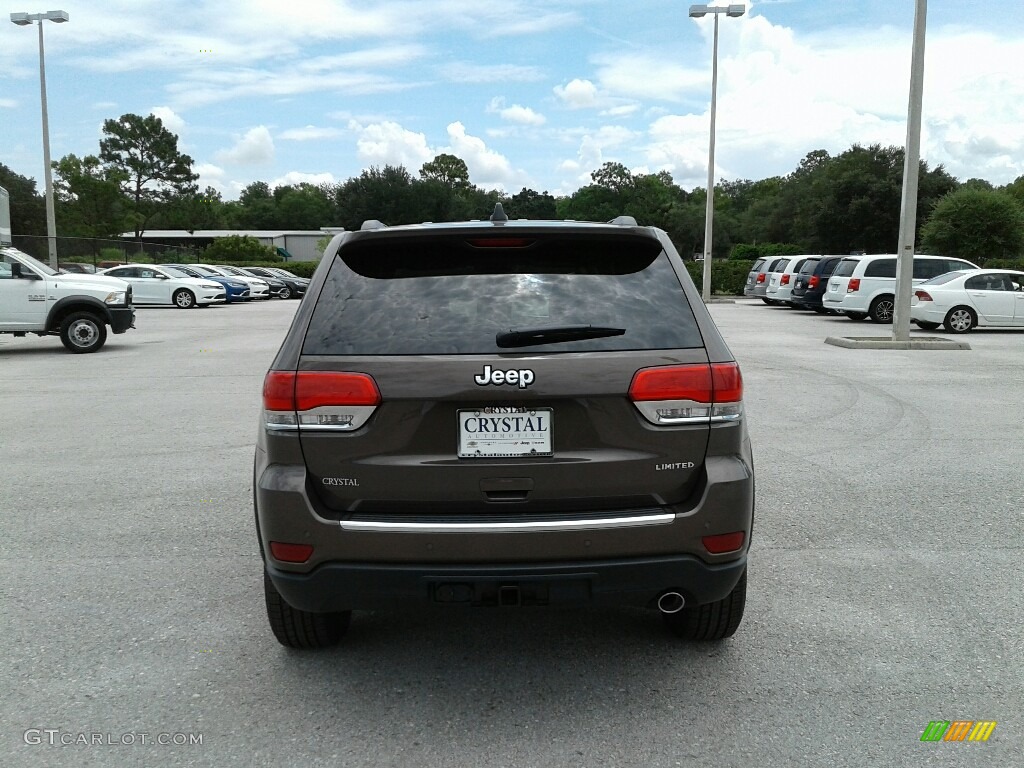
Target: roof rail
<point>372,224</point>
<point>624,221</point>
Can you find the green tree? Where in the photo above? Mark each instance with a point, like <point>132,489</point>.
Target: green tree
<point>89,199</point>
<point>448,169</point>
<point>28,212</point>
<point>304,206</point>
<point>144,155</point>
<point>238,248</point>
<point>852,202</point>
<point>385,194</point>
<point>975,224</point>
<point>529,204</point>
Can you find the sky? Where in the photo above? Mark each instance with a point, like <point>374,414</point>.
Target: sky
<point>530,93</point>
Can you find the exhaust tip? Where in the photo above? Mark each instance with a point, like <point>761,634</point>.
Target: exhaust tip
<point>671,602</point>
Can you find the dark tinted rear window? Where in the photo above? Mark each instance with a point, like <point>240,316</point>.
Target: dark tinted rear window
<point>881,268</point>
<point>828,266</point>
<point>845,268</point>
<point>444,295</point>
<point>808,267</point>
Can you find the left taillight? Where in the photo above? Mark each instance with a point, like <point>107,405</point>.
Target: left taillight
<point>318,400</point>
<point>688,394</point>
<point>923,295</point>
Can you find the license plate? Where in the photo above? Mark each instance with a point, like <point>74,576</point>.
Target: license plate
<point>504,432</point>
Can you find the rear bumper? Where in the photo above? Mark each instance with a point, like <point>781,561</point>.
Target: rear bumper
<point>634,581</point>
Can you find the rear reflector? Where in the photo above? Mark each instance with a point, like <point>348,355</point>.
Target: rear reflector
<point>923,295</point>
<point>688,394</point>
<point>325,400</point>
<point>290,553</point>
<point>723,542</point>
<point>854,285</point>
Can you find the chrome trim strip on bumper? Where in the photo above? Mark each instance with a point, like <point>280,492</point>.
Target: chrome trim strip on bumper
<point>507,527</point>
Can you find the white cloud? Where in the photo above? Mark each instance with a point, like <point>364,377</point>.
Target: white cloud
<point>465,72</point>
<point>8,103</point>
<point>256,147</point>
<point>297,177</point>
<point>487,168</point>
<point>309,133</point>
<point>388,143</point>
<point>211,175</point>
<point>591,153</point>
<point>577,94</point>
<point>172,122</point>
<point>516,114</point>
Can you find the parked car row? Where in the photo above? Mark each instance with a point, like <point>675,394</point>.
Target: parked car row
<point>953,293</point>
<point>199,285</point>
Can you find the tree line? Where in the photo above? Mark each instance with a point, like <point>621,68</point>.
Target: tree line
<point>844,203</point>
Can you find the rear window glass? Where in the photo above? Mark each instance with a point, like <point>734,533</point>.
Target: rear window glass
<point>881,268</point>
<point>808,267</point>
<point>452,295</point>
<point>757,265</point>
<point>942,279</point>
<point>780,265</point>
<point>828,266</point>
<point>846,267</point>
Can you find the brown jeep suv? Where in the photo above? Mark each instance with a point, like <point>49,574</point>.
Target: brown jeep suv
<point>503,413</point>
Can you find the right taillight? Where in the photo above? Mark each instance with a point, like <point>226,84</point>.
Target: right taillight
<point>760,278</point>
<point>854,285</point>
<point>784,280</point>
<point>688,394</point>
<point>318,400</point>
<point>812,282</point>
<point>923,295</point>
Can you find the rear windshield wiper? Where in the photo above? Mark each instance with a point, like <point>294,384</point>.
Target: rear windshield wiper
<point>551,334</point>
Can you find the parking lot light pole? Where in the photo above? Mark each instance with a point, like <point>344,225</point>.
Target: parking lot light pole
<point>24,20</point>
<point>911,168</point>
<point>696,12</point>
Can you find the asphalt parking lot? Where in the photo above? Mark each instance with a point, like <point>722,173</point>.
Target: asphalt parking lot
<point>885,584</point>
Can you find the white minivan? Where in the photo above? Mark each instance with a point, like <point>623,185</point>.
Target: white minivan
<point>865,286</point>
<point>782,280</point>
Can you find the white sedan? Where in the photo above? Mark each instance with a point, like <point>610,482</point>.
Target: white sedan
<point>966,299</point>
<point>167,285</point>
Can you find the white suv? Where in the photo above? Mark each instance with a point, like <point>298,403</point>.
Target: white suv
<point>865,286</point>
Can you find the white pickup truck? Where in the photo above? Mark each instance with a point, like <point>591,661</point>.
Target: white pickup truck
<point>36,299</point>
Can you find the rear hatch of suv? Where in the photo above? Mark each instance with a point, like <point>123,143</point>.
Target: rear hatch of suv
<point>453,377</point>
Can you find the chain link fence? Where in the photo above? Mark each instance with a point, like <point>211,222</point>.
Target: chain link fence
<point>101,253</point>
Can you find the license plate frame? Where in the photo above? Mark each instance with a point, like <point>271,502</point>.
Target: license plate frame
<point>504,443</point>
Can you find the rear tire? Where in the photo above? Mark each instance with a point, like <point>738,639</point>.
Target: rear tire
<point>300,629</point>
<point>960,320</point>
<point>286,293</point>
<point>83,332</point>
<point>882,309</point>
<point>714,621</point>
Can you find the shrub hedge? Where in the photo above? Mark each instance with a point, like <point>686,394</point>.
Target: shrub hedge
<point>728,278</point>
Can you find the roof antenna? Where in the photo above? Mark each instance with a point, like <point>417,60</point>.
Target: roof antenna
<point>499,216</point>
